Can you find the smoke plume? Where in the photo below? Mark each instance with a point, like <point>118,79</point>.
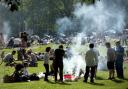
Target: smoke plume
<point>103,16</point>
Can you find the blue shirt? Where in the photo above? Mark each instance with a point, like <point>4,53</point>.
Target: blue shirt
<point>119,53</point>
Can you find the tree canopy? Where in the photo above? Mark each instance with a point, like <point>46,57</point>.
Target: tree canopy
<point>38,16</point>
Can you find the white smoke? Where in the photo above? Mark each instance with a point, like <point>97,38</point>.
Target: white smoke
<point>6,30</point>
<point>100,17</point>
<point>62,25</point>
<point>75,63</point>
<point>105,15</point>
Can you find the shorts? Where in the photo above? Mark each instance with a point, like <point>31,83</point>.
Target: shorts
<point>110,65</point>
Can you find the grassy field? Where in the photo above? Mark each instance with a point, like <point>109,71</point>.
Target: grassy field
<point>100,83</point>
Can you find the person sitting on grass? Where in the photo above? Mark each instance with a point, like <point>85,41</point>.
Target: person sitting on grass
<point>32,58</point>
<point>9,59</point>
<point>17,75</point>
<point>25,73</point>
<point>110,60</point>
<point>25,56</point>
<point>39,56</point>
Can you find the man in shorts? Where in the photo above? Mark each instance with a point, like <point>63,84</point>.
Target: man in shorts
<point>110,60</point>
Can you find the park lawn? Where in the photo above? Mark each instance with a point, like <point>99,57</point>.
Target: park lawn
<point>35,48</point>
<point>101,81</point>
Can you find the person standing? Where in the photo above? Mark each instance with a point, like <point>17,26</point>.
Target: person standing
<point>90,59</point>
<point>24,39</point>
<point>58,62</point>
<point>110,60</point>
<point>119,60</point>
<point>124,38</point>
<point>96,61</point>
<point>46,62</point>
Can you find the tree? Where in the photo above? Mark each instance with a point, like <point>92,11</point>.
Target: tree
<point>37,15</point>
<point>13,4</point>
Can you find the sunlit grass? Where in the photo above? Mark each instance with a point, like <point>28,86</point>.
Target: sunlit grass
<point>101,82</point>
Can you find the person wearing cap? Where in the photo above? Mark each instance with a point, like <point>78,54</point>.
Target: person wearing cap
<point>119,60</point>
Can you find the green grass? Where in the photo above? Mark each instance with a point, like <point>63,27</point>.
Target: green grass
<point>101,82</point>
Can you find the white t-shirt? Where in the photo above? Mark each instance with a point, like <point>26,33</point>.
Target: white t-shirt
<point>91,57</point>
<point>25,72</point>
<point>46,58</point>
